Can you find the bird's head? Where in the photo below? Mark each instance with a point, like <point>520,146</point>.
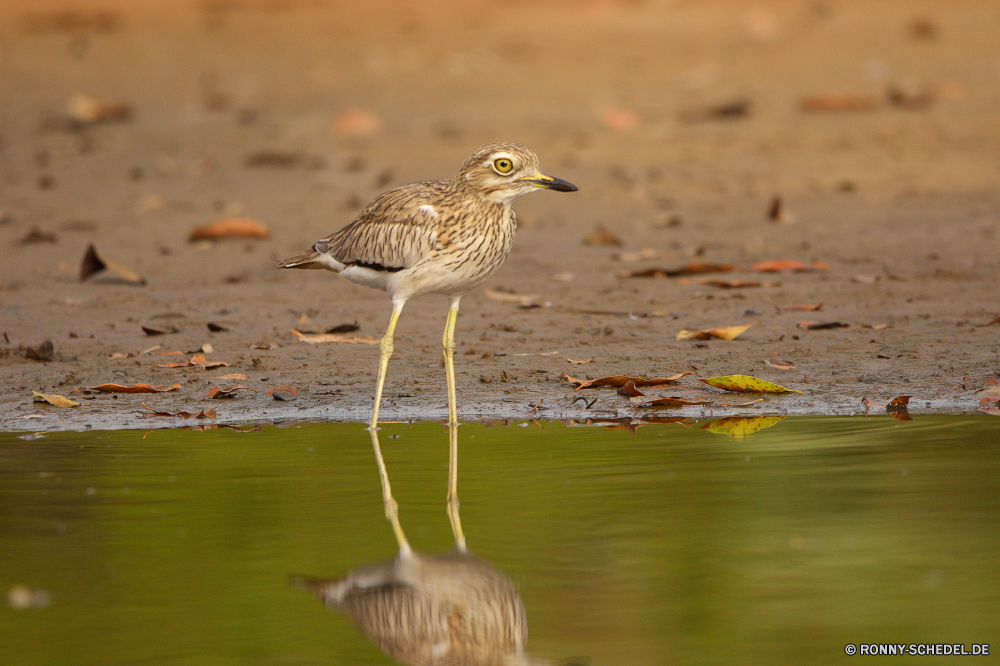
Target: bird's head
<point>501,172</point>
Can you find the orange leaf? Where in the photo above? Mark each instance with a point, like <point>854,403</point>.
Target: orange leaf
<point>228,228</point>
<point>630,389</point>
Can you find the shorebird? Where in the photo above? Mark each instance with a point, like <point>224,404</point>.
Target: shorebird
<point>447,609</point>
<point>437,237</point>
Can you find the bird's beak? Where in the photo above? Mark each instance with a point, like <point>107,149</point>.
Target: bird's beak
<point>550,183</point>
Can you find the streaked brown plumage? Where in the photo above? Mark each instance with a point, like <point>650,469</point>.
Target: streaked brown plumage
<point>451,609</point>
<point>437,237</point>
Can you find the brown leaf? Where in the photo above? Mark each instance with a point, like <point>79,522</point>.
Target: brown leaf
<point>723,333</point>
<point>157,330</point>
<point>805,307</point>
<point>816,326</point>
<point>215,393</point>
<point>835,101</point>
<point>693,268</point>
<point>234,375</point>
<point>731,284</point>
<point>199,359</point>
<point>207,413</point>
<point>664,401</point>
<point>523,301</point>
<point>630,389</point>
<point>621,380</point>
<point>237,227</point>
<point>287,389</point>
<point>326,337</point>
<point>602,236</point>
<point>581,361</point>
<point>93,263</point>
<point>135,388</point>
<point>995,320</point>
<point>273,345</point>
<point>897,407</point>
<point>118,355</point>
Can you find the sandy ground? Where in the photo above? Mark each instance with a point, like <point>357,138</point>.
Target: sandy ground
<point>679,121</point>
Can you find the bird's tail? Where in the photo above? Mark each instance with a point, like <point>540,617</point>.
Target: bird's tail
<point>308,259</point>
<point>329,590</point>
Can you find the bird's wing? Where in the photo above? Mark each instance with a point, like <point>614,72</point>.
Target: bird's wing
<point>393,232</point>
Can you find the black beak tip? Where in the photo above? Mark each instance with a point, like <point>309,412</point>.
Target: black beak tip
<point>562,186</point>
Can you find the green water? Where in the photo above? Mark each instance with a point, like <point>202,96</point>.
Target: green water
<point>673,545</point>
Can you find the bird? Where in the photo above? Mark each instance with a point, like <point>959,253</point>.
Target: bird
<point>441,609</point>
<point>435,237</point>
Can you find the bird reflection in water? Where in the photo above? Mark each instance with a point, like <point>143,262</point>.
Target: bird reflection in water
<point>432,610</point>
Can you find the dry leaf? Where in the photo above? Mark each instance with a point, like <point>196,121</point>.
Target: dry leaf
<point>805,307</point>
<point>199,359</point>
<point>621,380</point>
<point>897,407</point>
<point>693,268</point>
<point>629,389</point>
<point>581,361</point>
<point>663,401</point>
<point>602,236</point>
<point>94,263</point>
<point>343,328</point>
<point>817,326</point>
<point>207,413</point>
<point>234,376</point>
<point>320,338</point>
<point>156,330</point>
<point>524,301</point>
<point>118,355</point>
<point>136,388</point>
<point>54,399</point>
<point>995,320</point>
<point>731,284</point>
<point>746,384</point>
<point>237,227</point>
<point>724,333</point>
<point>215,393</point>
<point>834,101</point>
<point>268,347</point>
<point>739,426</point>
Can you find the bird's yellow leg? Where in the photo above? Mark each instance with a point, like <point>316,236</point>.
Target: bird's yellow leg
<point>385,352</point>
<point>391,507</point>
<point>448,343</point>
<point>456,521</point>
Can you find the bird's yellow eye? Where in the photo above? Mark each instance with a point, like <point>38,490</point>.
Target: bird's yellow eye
<point>503,165</point>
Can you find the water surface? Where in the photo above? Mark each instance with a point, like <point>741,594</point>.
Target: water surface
<point>678,544</point>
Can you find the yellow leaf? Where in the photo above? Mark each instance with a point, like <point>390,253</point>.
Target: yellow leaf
<point>746,384</point>
<point>724,333</point>
<point>740,426</point>
<point>57,400</point>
